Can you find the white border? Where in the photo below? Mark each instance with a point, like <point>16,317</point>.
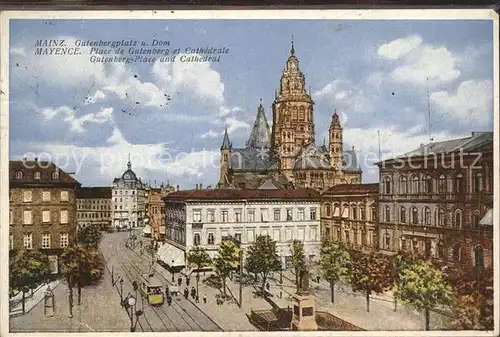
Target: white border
<point>376,14</point>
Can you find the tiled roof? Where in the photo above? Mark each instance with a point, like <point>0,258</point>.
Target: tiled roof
<point>46,169</point>
<point>93,193</point>
<point>260,137</point>
<point>352,189</point>
<point>252,159</point>
<point>237,194</point>
<point>350,162</point>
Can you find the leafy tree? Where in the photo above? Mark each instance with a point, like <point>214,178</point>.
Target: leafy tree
<point>422,285</point>
<point>89,235</point>
<point>473,290</point>
<point>400,261</point>
<point>81,265</point>
<point>262,258</point>
<point>370,274</point>
<point>226,261</point>
<point>298,259</point>
<point>334,263</point>
<point>28,270</point>
<point>198,258</point>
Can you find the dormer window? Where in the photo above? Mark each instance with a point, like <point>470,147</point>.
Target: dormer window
<point>55,175</point>
<point>38,176</point>
<point>19,175</point>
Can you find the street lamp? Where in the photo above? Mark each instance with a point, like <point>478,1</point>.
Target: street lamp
<point>121,289</point>
<point>131,303</point>
<point>49,303</point>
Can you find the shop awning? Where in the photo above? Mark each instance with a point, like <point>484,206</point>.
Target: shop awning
<point>171,256</point>
<point>147,229</point>
<point>487,220</point>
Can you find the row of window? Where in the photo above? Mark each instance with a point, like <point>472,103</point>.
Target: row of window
<point>102,208</point>
<point>354,236</point>
<point>276,235</point>
<point>429,185</point>
<point>46,196</point>
<point>46,217</point>
<point>45,243</point>
<point>134,206</point>
<point>94,201</point>
<point>93,215</point>
<point>355,212</point>
<point>37,175</point>
<point>426,217</point>
<point>253,215</point>
<point>124,192</point>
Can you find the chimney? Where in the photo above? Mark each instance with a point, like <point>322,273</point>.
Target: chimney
<point>36,159</point>
<point>201,186</point>
<point>177,187</point>
<point>421,148</point>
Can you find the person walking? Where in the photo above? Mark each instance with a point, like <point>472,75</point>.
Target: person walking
<point>197,299</point>
<point>205,298</point>
<point>169,300</point>
<point>186,293</point>
<point>193,292</point>
<point>179,281</point>
<point>268,286</point>
<point>187,280</point>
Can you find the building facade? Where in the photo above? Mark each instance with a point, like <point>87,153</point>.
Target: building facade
<point>205,217</point>
<point>94,207</point>
<point>155,212</point>
<point>42,208</point>
<point>287,153</point>
<point>432,201</point>
<point>128,204</point>
<point>349,215</point>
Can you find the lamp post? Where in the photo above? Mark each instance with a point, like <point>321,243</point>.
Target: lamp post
<point>49,308</point>
<point>241,276</point>
<point>131,303</point>
<point>172,271</point>
<point>121,289</point>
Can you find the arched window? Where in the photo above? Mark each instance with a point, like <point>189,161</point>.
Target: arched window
<point>440,217</point>
<point>478,182</point>
<point>456,252</point>
<point>440,249</point>
<point>427,216</point>
<point>328,209</point>
<point>19,175</point>
<point>38,176</point>
<point>302,113</point>
<point>458,218</point>
<point>475,219</point>
<point>387,241</point>
<point>402,215</point>
<point>387,185</point>
<point>354,212</point>
<point>403,185</point>
<point>442,184</point>
<point>459,184</point>
<point>479,256</point>
<point>414,216</point>
<point>414,188</point>
<point>387,214</point>
<point>55,175</point>
<point>428,188</point>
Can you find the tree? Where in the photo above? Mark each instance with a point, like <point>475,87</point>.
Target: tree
<point>89,235</point>
<point>226,261</point>
<point>473,290</point>
<point>81,265</point>
<point>262,258</point>
<point>334,263</point>
<point>400,261</point>
<point>370,274</point>
<point>423,285</point>
<point>28,270</point>
<point>298,259</point>
<point>198,258</point>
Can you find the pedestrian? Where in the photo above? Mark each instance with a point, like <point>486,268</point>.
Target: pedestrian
<point>281,294</point>
<point>169,300</point>
<point>267,286</point>
<point>166,291</point>
<point>186,293</point>
<point>187,280</point>
<point>205,298</point>
<point>317,278</point>
<point>179,281</point>
<point>193,292</point>
<point>197,299</point>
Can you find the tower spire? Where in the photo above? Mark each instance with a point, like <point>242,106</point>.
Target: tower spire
<point>226,144</point>
<point>292,50</point>
<point>129,164</point>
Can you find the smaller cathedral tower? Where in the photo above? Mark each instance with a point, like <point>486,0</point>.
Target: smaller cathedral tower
<point>335,142</point>
<point>225,154</point>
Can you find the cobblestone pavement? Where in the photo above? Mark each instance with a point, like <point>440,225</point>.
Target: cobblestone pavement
<point>87,317</point>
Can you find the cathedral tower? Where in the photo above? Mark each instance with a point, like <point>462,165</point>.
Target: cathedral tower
<point>225,156</point>
<point>335,142</point>
<point>293,125</point>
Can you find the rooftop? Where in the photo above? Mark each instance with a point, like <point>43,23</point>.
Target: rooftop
<point>94,193</point>
<point>26,172</point>
<point>352,189</point>
<point>237,194</point>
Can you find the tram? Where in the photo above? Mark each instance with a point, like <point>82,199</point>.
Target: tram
<point>151,289</point>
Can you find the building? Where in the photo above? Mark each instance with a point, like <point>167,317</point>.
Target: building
<point>42,208</point>
<point>93,207</point>
<point>432,200</point>
<point>204,217</point>
<point>155,211</point>
<point>349,215</point>
<point>128,204</point>
<point>286,154</point>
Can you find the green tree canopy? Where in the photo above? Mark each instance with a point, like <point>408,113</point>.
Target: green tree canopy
<point>370,273</point>
<point>89,235</point>
<point>298,259</point>
<point>262,258</point>
<point>423,286</point>
<point>197,259</point>
<point>226,260</point>
<point>334,263</point>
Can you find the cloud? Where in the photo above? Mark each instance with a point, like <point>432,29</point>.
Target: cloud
<point>327,90</point>
<point>17,51</point>
<point>210,134</point>
<point>224,111</point>
<point>98,95</point>
<point>232,125</point>
<point>77,123</point>
<point>470,104</point>
<point>420,63</point>
<point>400,47</point>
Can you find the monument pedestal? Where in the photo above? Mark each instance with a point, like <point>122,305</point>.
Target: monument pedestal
<point>304,313</point>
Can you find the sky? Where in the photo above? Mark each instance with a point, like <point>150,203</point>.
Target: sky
<point>383,77</point>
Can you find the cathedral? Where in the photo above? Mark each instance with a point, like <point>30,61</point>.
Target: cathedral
<point>286,156</point>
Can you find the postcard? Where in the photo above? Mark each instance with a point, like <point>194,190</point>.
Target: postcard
<point>315,172</point>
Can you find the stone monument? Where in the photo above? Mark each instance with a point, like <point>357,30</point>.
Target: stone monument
<point>304,308</point>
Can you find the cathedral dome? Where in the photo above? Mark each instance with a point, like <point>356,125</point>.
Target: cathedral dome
<point>129,175</point>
